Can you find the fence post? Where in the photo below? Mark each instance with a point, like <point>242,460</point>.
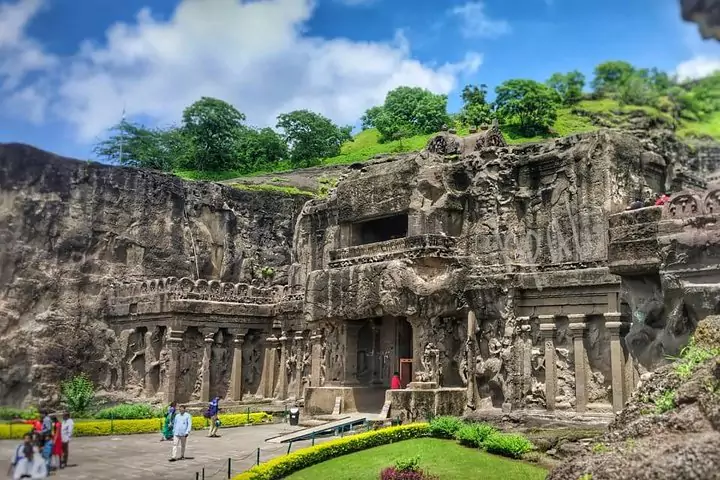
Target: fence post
<point>229,468</point>
<point>248,415</point>
<point>197,475</point>
<point>289,447</point>
<point>112,423</point>
<point>257,461</point>
<point>313,439</point>
<point>203,473</point>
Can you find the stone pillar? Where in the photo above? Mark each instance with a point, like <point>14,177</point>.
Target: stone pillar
<point>375,354</point>
<point>617,359</point>
<point>547,330</point>
<point>471,351</point>
<point>316,358</point>
<point>577,330</point>
<point>267,379</point>
<point>282,381</point>
<point>174,338</point>
<point>236,373</point>
<point>417,344</point>
<point>299,341</point>
<point>350,333</point>
<point>209,337</point>
<point>524,359</point>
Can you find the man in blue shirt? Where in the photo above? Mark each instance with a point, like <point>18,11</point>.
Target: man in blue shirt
<point>212,414</point>
<point>181,429</point>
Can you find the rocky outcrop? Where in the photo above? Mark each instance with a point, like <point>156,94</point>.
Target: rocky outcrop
<point>669,430</point>
<point>706,13</point>
<point>69,229</point>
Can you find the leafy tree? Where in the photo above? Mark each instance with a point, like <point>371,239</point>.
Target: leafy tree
<point>259,149</point>
<point>311,136</point>
<point>610,76</point>
<point>532,105</point>
<point>568,85</point>
<point>78,394</point>
<point>136,146</point>
<point>370,117</point>
<point>213,126</point>
<point>638,90</point>
<point>408,111</point>
<point>475,110</point>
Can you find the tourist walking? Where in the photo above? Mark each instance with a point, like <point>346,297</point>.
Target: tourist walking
<point>30,465</point>
<point>212,414</point>
<point>182,426</point>
<point>167,430</point>
<point>66,432</point>
<point>57,448</point>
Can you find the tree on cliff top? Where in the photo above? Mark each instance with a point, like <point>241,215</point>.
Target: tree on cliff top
<point>311,136</point>
<point>527,103</point>
<point>408,111</point>
<point>568,85</point>
<point>134,145</point>
<point>476,111</point>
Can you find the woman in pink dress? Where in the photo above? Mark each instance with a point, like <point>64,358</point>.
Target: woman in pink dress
<point>57,449</point>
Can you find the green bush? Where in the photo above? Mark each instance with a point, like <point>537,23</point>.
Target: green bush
<point>445,427</point>
<point>129,412</point>
<point>78,394</point>
<point>474,434</point>
<point>507,444</point>
<point>283,466</point>
<point>10,413</point>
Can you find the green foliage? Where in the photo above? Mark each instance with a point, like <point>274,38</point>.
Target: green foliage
<point>78,394</point>
<point>137,146</point>
<point>213,126</point>
<point>474,434</point>
<point>408,111</point>
<point>259,150</point>
<point>445,427</point>
<point>611,76</point>
<point>10,413</point>
<point>691,356</point>
<point>261,187</point>
<point>665,402</point>
<point>638,90</point>
<point>311,136</point>
<point>131,411</point>
<point>568,85</point>
<point>475,110</point>
<point>267,272</point>
<point>531,105</point>
<point>599,448</point>
<point>507,444</point>
<point>408,464</point>
<point>283,466</point>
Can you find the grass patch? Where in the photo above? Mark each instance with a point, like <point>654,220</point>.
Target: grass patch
<point>438,457</point>
<point>665,402</point>
<point>709,127</point>
<point>691,357</point>
<point>263,187</point>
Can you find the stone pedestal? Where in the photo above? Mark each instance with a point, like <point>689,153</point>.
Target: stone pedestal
<point>547,330</point>
<point>577,329</point>
<point>422,385</point>
<point>174,338</point>
<point>209,338</point>
<point>235,392</point>
<point>617,359</point>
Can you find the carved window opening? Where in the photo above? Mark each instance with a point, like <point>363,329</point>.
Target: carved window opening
<point>380,229</point>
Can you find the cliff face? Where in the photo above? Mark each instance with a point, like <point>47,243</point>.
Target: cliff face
<point>68,229</point>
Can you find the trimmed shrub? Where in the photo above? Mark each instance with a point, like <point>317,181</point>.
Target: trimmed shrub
<point>406,470</point>
<point>127,427</point>
<point>474,434</point>
<point>10,413</point>
<point>129,412</point>
<point>507,444</point>
<point>445,427</point>
<point>280,467</point>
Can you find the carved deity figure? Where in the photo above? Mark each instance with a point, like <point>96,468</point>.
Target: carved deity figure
<point>430,361</point>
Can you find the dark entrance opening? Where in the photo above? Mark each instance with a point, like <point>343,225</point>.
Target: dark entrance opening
<point>380,229</point>
<point>404,348</point>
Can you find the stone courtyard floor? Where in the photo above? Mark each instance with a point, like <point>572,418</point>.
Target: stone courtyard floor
<point>126,457</point>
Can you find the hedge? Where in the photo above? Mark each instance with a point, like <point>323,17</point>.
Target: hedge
<point>280,467</point>
<point>126,427</point>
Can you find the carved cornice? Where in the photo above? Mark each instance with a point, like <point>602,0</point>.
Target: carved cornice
<point>410,247</point>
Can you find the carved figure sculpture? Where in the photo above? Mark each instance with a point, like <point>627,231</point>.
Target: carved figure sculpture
<point>430,361</point>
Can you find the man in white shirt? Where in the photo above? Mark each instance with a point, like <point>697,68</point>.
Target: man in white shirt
<point>66,432</point>
<point>31,465</point>
<point>181,429</point>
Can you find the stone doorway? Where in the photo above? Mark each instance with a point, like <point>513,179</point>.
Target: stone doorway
<point>382,344</point>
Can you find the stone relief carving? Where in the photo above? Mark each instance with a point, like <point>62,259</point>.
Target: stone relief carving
<point>430,361</point>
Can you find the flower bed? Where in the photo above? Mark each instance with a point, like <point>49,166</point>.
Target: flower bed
<point>86,428</point>
<point>280,467</point>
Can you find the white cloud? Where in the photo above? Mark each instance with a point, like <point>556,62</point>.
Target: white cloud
<point>251,54</point>
<point>356,3</point>
<point>476,23</point>
<point>698,67</point>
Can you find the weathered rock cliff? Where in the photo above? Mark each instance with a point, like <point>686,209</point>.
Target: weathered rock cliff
<point>70,228</point>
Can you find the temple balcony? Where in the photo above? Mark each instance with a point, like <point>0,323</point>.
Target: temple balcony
<point>419,246</point>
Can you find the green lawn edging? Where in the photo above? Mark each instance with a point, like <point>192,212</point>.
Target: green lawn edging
<point>280,467</point>
<point>91,428</point>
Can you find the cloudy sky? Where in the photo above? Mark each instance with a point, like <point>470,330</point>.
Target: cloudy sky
<point>69,67</point>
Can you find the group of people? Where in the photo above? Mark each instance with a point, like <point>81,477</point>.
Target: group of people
<point>178,425</point>
<point>44,448</point>
<point>660,199</point>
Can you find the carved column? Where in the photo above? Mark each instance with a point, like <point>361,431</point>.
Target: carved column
<point>209,338</point>
<point>174,338</point>
<point>524,356</point>
<point>472,395</point>
<point>350,333</point>
<point>617,358</point>
<point>299,341</point>
<point>547,330</point>
<point>417,344</point>
<point>316,358</point>
<point>282,381</point>
<point>236,374</point>
<point>267,379</point>
<point>577,330</point>
<point>374,353</point>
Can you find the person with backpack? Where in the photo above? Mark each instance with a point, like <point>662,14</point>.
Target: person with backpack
<point>30,465</point>
<point>212,414</point>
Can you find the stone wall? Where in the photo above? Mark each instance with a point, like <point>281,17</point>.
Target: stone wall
<point>70,229</point>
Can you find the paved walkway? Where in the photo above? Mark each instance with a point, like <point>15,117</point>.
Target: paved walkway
<point>138,457</point>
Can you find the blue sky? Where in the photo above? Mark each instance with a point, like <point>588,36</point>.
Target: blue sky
<point>69,67</point>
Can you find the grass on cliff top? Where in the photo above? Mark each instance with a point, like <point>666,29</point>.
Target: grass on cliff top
<point>366,145</point>
<point>442,458</point>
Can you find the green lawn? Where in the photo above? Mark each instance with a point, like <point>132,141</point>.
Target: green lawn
<point>443,458</point>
